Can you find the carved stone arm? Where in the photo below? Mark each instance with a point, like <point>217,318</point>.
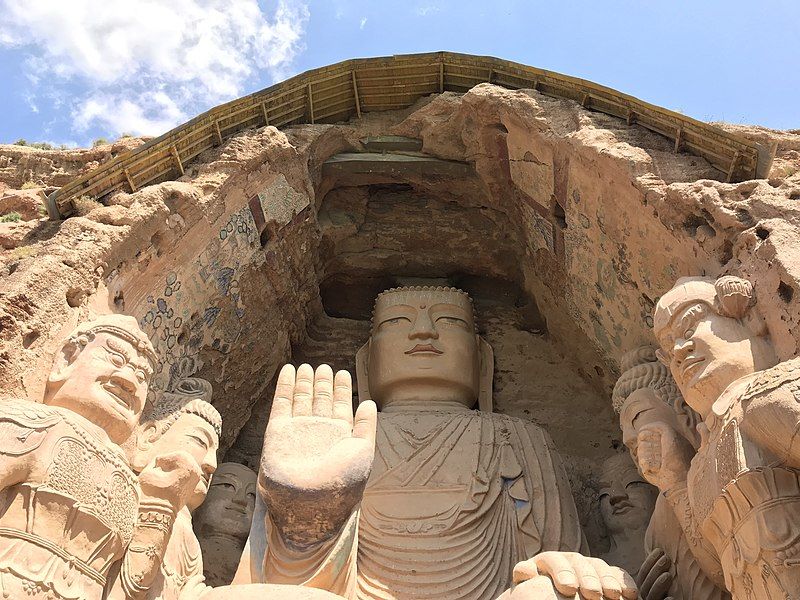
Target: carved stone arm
<point>678,499</point>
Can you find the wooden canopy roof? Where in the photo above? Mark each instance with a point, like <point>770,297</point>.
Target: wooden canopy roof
<point>352,87</point>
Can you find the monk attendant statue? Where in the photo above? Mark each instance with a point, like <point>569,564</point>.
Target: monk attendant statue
<point>455,499</point>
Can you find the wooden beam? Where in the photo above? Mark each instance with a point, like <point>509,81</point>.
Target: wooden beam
<point>585,100</point>
<point>264,112</point>
<point>129,180</point>
<point>218,132</point>
<point>177,158</point>
<point>355,93</point>
<point>734,163</point>
<point>441,77</point>
<point>491,74</point>
<point>310,104</point>
<point>678,139</point>
<point>631,117</point>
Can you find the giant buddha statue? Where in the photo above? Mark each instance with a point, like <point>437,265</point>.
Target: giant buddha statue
<point>455,500</point>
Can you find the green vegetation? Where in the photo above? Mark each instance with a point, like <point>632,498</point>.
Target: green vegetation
<point>99,142</point>
<point>29,185</point>
<point>11,217</point>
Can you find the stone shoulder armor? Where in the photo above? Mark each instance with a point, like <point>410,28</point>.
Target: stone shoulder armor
<point>23,425</point>
<point>782,374</point>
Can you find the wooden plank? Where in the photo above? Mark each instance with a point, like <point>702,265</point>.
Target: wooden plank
<point>264,114</point>
<point>177,158</point>
<point>355,93</point>
<point>732,169</point>
<point>218,132</point>
<point>129,179</point>
<point>678,136</point>
<point>441,77</point>
<point>310,103</point>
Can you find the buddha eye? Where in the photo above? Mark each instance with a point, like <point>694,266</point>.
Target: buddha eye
<point>395,321</point>
<point>116,359</point>
<point>199,441</point>
<point>446,320</point>
<point>224,484</point>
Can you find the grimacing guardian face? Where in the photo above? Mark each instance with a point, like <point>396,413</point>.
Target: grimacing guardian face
<point>102,373</point>
<point>424,348</point>
<point>228,508</point>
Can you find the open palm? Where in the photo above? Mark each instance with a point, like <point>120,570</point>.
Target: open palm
<point>317,455</point>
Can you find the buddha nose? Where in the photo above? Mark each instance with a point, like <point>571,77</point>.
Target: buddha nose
<point>423,328</point>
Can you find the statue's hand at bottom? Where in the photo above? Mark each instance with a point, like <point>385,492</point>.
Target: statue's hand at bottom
<point>573,576</point>
<point>655,576</point>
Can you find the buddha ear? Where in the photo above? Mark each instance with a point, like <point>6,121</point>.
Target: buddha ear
<point>145,439</point>
<point>362,373</point>
<point>486,358</point>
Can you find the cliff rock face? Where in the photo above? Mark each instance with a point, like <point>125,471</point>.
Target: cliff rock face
<point>564,225</point>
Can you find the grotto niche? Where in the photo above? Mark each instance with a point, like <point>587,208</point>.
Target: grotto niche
<point>564,226</point>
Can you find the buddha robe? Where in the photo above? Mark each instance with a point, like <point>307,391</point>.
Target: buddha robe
<point>454,501</point>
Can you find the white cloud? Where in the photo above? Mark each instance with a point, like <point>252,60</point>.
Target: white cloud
<point>147,65</point>
<point>363,23</point>
<point>424,11</point>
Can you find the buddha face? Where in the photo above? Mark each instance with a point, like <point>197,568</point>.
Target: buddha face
<point>105,382</point>
<point>641,408</point>
<point>192,434</point>
<point>228,508</point>
<point>423,349</point>
<point>706,352</point>
<point>626,499</point>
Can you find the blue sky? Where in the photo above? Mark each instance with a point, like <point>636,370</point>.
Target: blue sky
<point>76,70</point>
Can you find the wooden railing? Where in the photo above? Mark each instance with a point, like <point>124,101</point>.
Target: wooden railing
<point>353,87</point>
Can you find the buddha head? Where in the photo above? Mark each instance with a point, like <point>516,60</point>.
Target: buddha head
<point>626,499</point>
<point>182,420</point>
<point>102,372</point>
<point>228,508</point>
<point>423,352</point>
<point>646,393</point>
<point>710,336</point>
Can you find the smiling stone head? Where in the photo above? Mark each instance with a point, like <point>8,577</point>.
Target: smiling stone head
<point>424,351</point>
<point>102,372</point>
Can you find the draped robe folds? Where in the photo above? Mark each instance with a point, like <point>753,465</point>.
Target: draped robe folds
<point>454,501</point>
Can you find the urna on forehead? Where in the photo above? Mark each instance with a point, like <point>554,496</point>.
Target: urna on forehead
<point>423,297</point>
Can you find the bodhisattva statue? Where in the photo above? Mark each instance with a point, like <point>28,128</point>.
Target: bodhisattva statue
<point>626,504</point>
<point>645,394</point>
<point>457,499</point>
<point>70,503</point>
<point>222,522</point>
<point>741,492</point>
<point>182,421</point>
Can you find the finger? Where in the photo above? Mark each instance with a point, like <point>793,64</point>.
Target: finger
<point>284,390</point>
<point>648,563</point>
<point>343,397</point>
<point>303,391</point>
<point>366,421</point>
<point>524,570</point>
<point>558,568</point>
<point>609,582</point>
<point>538,588</point>
<point>661,586</point>
<point>323,392</point>
<point>659,568</point>
<point>628,589</point>
<point>588,578</point>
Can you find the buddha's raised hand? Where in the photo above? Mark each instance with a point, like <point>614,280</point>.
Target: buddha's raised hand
<point>317,455</point>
